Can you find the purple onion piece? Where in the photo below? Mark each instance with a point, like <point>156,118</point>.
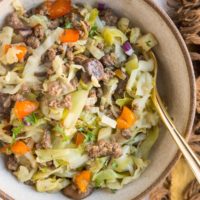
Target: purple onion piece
<point>127,48</point>
<point>26,123</point>
<point>101,6</point>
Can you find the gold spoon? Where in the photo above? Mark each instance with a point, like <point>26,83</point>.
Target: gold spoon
<point>188,153</point>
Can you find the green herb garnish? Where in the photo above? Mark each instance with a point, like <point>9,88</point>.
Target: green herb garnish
<point>81,129</point>
<point>59,129</point>
<point>93,31</point>
<point>17,130</point>
<point>68,25</point>
<point>31,119</point>
<point>89,137</point>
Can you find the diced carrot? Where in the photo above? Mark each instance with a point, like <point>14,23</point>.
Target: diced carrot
<point>19,148</point>
<point>120,74</point>
<point>79,138</point>
<point>82,180</point>
<point>69,35</point>
<point>22,53</point>
<point>24,108</point>
<point>122,124</point>
<point>58,8</point>
<point>21,48</point>
<point>126,119</point>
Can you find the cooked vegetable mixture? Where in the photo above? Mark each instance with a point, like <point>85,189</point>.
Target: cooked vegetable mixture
<point>75,103</point>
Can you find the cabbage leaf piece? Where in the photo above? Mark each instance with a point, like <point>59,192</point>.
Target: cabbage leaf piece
<point>148,143</point>
<point>23,174</point>
<point>33,63</point>
<point>111,35</point>
<point>74,157</point>
<point>79,99</point>
<point>51,184</point>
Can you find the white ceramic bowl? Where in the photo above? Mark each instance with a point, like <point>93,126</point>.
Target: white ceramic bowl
<point>176,83</point>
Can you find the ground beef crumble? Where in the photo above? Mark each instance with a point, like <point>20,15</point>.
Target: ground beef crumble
<point>104,148</point>
<point>12,163</point>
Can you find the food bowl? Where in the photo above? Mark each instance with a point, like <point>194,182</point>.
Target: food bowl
<point>176,86</point>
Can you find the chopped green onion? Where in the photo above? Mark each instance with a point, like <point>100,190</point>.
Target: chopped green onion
<point>89,137</point>
<point>68,25</point>
<point>31,119</point>
<point>59,129</point>
<point>17,130</point>
<point>93,31</point>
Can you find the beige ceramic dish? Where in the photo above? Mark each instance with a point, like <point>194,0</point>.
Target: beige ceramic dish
<point>176,83</point>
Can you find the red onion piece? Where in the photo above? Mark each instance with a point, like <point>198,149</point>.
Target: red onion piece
<point>127,48</point>
<point>101,6</point>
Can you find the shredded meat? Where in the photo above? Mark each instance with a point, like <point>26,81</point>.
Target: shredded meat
<point>109,74</point>
<point>54,103</point>
<point>40,10</point>
<point>39,32</point>
<point>60,50</point>
<point>94,68</point>
<point>126,133</point>
<point>75,18</point>
<point>12,163</point>
<point>33,42</point>
<point>80,59</point>
<point>15,22</point>
<point>104,148</point>
<point>5,105</point>
<point>69,54</point>
<point>46,140</point>
<point>40,74</point>
<point>55,88</point>
<point>109,17</point>
<point>67,102</point>
<point>50,55</point>
<point>108,60</point>
<point>121,87</point>
<point>54,24</point>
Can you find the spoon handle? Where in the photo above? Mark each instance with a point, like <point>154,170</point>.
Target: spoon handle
<point>186,150</point>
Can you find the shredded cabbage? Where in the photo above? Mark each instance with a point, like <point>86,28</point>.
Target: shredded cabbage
<point>74,157</point>
<point>23,174</point>
<point>77,106</point>
<point>107,121</point>
<point>32,65</point>
<point>37,19</point>
<point>104,133</point>
<point>111,34</point>
<point>123,24</point>
<point>51,184</point>
<point>17,5</point>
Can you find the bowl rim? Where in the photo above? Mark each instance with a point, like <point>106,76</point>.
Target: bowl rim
<point>190,69</point>
<point>165,17</point>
